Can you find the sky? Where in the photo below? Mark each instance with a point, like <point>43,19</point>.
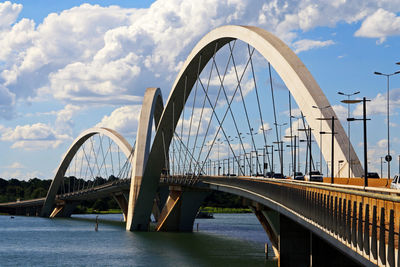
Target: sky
<point>66,66</point>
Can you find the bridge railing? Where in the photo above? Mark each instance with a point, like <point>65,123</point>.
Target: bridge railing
<point>366,220</point>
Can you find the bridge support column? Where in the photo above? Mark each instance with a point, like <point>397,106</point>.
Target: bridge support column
<point>159,201</point>
<point>269,220</point>
<point>295,243</point>
<point>122,200</point>
<point>63,210</point>
<point>300,247</point>
<point>180,209</point>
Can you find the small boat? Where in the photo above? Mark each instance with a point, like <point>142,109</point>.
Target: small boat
<point>204,215</point>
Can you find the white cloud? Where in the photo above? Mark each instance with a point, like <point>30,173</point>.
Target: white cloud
<point>95,54</point>
<point>15,165</point>
<point>341,112</point>
<point>20,174</point>
<point>64,122</point>
<point>7,101</point>
<point>8,13</point>
<point>266,127</point>
<point>378,105</point>
<point>37,136</point>
<point>380,24</point>
<point>306,44</point>
<point>124,120</point>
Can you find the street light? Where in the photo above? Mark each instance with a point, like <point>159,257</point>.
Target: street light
<point>348,126</point>
<point>265,135</point>
<point>280,150</point>
<point>333,144</point>
<point>320,137</point>
<point>364,119</point>
<point>294,146</point>
<point>388,157</point>
<point>271,167</point>
<point>308,130</point>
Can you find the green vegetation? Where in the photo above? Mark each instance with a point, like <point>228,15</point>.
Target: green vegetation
<point>218,199</point>
<point>225,210</point>
<point>11,190</point>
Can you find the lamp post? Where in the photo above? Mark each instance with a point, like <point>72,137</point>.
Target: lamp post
<point>364,119</point>
<point>294,146</point>
<point>309,140</point>
<point>320,137</point>
<point>388,157</point>
<point>333,144</point>
<point>280,152</point>
<point>265,156</point>
<point>239,137</point>
<point>348,126</point>
<point>272,157</point>
<point>280,143</point>
<point>228,141</point>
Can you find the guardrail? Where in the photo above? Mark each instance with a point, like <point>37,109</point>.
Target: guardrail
<point>366,220</point>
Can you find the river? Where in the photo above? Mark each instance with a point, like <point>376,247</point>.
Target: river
<point>227,240</point>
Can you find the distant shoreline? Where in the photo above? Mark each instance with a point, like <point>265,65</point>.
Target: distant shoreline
<point>203,209</point>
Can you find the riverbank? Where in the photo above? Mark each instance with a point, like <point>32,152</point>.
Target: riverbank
<point>202,209</point>
<point>224,210</point>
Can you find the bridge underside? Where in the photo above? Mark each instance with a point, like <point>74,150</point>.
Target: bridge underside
<point>295,245</point>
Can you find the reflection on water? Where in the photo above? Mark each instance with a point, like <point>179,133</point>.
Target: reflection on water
<point>227,240</point>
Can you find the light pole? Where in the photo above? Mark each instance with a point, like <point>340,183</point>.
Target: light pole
<point>332,145</point>
<point>309,141</point>
<point>348,126</point>
<point>320,136</point>
<point>265,157</point>
<point>388,157</point>
<point>364,119</point>
<point>280,143</point>
<point>272,157</point>
<point>293,146</point>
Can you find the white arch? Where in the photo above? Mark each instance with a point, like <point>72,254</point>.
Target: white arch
<point>142,190</point>
<point>73,149</point>
<point>295,75</point>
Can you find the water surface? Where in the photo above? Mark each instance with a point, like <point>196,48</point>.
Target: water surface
<point>227,240</point>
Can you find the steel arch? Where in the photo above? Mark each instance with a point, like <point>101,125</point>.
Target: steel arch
<point>293,72</point>
<point>142,190</point>
<point>71,152</point>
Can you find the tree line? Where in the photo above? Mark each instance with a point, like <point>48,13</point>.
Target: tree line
<point>14,189</point>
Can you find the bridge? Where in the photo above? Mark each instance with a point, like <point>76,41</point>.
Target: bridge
<point>212,134</point>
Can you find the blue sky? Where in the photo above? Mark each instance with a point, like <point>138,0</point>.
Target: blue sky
<point>66,66</point>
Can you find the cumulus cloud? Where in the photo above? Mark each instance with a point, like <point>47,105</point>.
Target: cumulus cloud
<point>341,112</point>
<point>306,44</point>
<point>8,13</point>
<point>124,120</point>
<point>64,122</point>
<point>380,24</point>
<point>378,105</point>
<point>37,136</point>
<point>7,101</point>
<point>93,54</point>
